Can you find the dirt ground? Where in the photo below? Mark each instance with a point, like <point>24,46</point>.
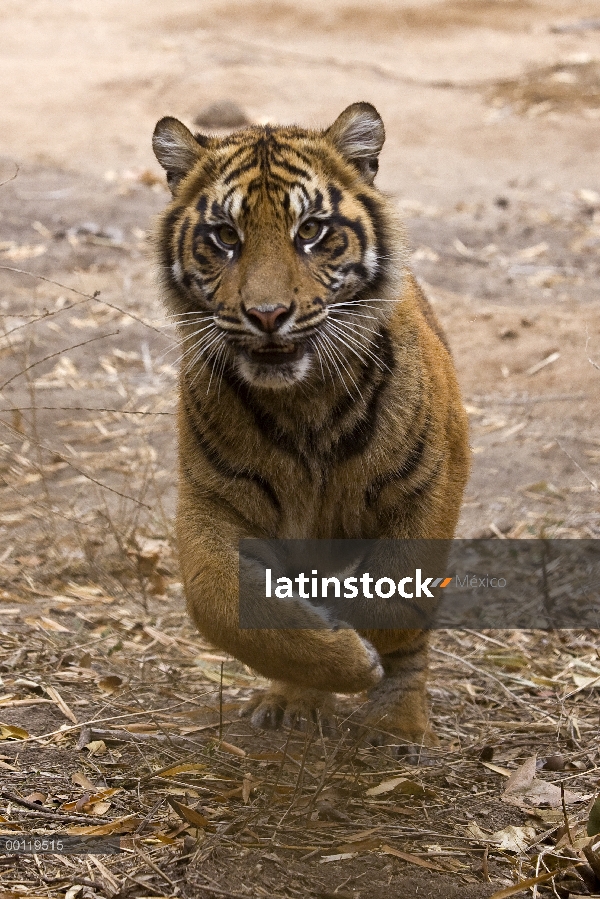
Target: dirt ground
<point>125,724</point>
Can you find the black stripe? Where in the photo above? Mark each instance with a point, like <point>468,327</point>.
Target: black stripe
<point>239,170</point>
<point>411,668</point>
<point>384,252</point>
<point>410,465</point>
<point>234,319</point>
<point>222,466</point>
<point>233,155</point>
<point>185,226</point>
<point>310,315</point>
<point>357,440</point>
<point>342,245</point>
<point>408,653</point>
<point>288,167</point>
<point>267,424</point>
<point>303,157</point>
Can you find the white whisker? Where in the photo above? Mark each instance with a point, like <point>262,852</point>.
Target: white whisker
<point>335,355</point>
<point>315,343</point>
<point>203,350</point>
<point>349,336</point>
<point>354,325</point>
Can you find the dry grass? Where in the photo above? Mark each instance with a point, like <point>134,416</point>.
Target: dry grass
<point>116,721</point>
<point>159,755</point>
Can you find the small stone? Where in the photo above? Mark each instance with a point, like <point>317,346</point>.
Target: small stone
<point>222,114</point>
<point>508,334</point>
<point>502,202</point>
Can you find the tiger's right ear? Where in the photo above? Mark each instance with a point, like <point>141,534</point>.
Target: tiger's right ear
<point>176,149</point>
<point>358,134</point>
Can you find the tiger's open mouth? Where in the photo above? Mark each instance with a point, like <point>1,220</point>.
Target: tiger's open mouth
<point>276,353</point>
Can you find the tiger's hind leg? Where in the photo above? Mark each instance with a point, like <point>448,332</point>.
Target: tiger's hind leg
<point>397,708</point>
<point>286,705</point>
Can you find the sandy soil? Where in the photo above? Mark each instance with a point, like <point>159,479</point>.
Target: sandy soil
<point>492,109</point>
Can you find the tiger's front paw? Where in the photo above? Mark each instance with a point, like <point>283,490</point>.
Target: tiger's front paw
<point>292,707</point>
<point>399,722</point>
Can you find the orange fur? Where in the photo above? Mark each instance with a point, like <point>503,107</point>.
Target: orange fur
<point>327,404</point>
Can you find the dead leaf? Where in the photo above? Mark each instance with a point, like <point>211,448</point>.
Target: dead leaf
<point>233,750</point>
<point>399,785</point>
<point>412,859</point>
<point>524,790</point>
<point>475,831</point>
<point>12,732</point>
<point>159,636</point>
<point>126,824</point>
<point>361,835</point>
<point>89,802</point>
<point>386,786</point>
<point>523,777</point>
<point>505,772</point>
<point>49,624</point>
<point>360,845</point>
<point>514,839</point>
<point>81,780</point>
<point>96,747</point>
<point>246,789</point>
<point>36,797</point>
<point>542,793</point>
<point>62,705</point>
<point>110,684</point>
<point>582,681</point>
<point>337,858</point>
<point>188,814</point>
<point>110,883</point>
<point>523,885</point>
<point>185,768</point>
<point>593,824</point>
<point>100,808</point>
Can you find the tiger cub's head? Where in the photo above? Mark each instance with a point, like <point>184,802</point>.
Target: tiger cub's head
<point>279,257</point>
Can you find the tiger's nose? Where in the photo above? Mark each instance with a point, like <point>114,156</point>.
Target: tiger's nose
<point>268,318</point>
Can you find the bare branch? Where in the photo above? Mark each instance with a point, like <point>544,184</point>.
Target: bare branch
<point>53,355</point>
<point>82,409</point>
<point>75,467</point>
<point>12,177</point>
<point>88,296</point>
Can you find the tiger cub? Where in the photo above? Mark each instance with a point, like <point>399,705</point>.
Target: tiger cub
<point>317,396</point>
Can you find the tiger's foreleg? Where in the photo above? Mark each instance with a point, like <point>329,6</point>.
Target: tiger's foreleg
<point>310,655</point>
<point>397,707</point>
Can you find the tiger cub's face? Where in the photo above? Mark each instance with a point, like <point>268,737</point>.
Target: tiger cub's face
<point>277,253</point>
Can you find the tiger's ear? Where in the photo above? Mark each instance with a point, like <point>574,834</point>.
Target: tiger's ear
<point>176,149</point>
<point>358,134</point>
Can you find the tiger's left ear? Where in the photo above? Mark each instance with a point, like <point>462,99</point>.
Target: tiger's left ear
<point>176,149</point>
<point>358,134</point>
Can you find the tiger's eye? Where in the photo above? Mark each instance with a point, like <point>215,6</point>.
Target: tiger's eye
<point>228,235</point>
<point>309,229</point>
